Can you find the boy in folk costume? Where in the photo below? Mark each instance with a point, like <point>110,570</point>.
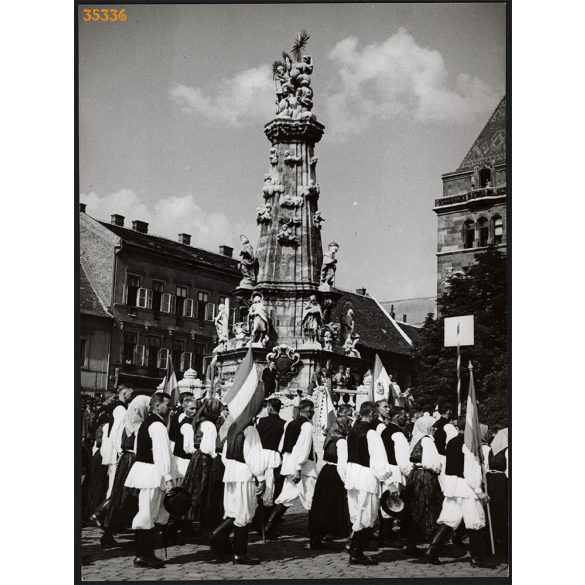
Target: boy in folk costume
<point>244,481</point>
<point>463,501</point>
<point>153,473</point>
<point>298,466</point>
<point>367,469</point>
<point>112,438</point>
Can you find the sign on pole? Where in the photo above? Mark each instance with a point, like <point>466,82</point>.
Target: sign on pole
<point>458,332</point>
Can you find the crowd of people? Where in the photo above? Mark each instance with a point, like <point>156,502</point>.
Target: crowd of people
<point>163,469</point>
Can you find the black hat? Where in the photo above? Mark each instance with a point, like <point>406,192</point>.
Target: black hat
<point>391,504</point>
<point>177,501</point>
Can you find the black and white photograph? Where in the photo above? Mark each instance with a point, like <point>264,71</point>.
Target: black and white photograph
<point>293,256</point>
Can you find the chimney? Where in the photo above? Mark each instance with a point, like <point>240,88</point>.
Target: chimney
<point>226,251</point>
<point>140,226</point>
<point>82,207</point>
<point>185,239</point>
<point>392,313</point>
<point>361,291</point>
<point>404,318</point>
<point>116,219</point>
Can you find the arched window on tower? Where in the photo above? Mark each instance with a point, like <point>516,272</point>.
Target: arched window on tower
<point>498,227</point>
<point>484,232</point>
<point>468,233</point>
<point>485,177</point>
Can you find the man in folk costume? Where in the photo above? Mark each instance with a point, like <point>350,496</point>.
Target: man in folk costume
<point>112,438</point>
<point>271,428</point>
<point>178,416</point>
<point>382,417</point>
<point>244,481</point>
<point>497,480</point>
<point>443,431</point>
<point>367,470</point>
<point>398,454</point>
<point>463,501</point>
<point>184,443</point>
<point>298,466</point>
<point>153,473</point>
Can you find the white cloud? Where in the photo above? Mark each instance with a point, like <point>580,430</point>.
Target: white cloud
<point>244,97</point>
<point>170,216</point>
<point>384,79</point>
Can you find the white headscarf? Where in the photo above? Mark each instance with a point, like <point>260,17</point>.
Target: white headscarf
<point>136,413</point>
<point>422,427</point>
<point>500,441</point>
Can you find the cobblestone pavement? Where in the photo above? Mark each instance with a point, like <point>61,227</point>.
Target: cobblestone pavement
<point>288,558</point>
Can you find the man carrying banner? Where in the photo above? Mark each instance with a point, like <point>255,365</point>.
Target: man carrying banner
<point>298,466</point>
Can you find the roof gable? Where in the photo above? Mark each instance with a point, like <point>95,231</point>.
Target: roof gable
<point>89,301</point>
<point>490,145</point>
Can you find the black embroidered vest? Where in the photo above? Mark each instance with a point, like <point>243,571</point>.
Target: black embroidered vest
<point>270,429</point>
<point>357,444</point>
<point>110,411</point>
<point>293,430</point>
<point>455,456</point>
<point>387,433</point>
<point>179,449</point>
<point>143,440</point>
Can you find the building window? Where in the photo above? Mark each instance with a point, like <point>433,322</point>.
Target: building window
<point>154,343</point>
<point>158,288</point>
<point>128,347</point>
<point>131,289</point>
<point>498,229</point>
<point>177,352</point>
<point>485,177</point>
<point>469,233</point>
<point>180,303</point>
<point>484,232</point>
<point>202,300</point>
<point>197,362</point>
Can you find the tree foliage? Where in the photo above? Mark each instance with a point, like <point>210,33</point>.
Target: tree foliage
<point>481,291</point>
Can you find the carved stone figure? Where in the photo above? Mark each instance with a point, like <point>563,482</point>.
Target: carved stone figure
<point>221,324</point>
<point>349,347</point>
<point>327,339</point>
<point>291,221</point>
<point>312,319</point>
<point>318,220</point>
<point>239,335</point>
<point>264,213</point>
<point>291,202</point>
<point>313,161</point>
<point>248,264</point>
<point>273,158</point>
<point>346,322</point>
<point>310,190</point>
<point>329,264</point>
<point>327,311</point>
<point>286,236</point>
<point>271,186</point>
<point>291,160</point>
<point>258,324</point>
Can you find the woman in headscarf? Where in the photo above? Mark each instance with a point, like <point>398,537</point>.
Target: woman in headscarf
<point>497,488</point>
<point>329,513</point>
<point>423,497</point>
<point>123,502</point>
<point>197,476</point>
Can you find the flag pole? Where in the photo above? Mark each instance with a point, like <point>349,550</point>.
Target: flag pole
<point>459,373</point>
<point>484,476</point>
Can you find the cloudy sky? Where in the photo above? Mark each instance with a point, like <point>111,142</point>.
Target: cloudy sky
<point>173,102</point>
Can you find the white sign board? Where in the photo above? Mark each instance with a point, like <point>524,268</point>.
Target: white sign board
<point>459,331</point>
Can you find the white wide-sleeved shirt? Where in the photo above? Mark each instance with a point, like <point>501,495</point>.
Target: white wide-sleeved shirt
<point>112,444</point>
<point>298,459</point>
<point>403,466</point>
<point>188,439</point>
<point>208,438</point>
<point>152,475</point>
<point>255,464</point>
<point>370,479</point>
<point>430,456</point>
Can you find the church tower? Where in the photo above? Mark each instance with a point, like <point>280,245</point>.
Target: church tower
<point>472,211</point>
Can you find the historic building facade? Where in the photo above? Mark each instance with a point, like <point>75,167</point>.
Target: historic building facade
<point>472,211</point>
<point>161,295</point>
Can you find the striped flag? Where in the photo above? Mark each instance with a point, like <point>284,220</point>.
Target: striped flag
<point>171,384</point>
<point>326,408</point>
<point>380,387</point>
<point>243,399</point>
<point>471,437</point>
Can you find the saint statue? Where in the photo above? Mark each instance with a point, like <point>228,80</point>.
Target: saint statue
<point>257,320</point>
<point>312,319</point>
<point>248,264</point>
<point>347,323</point>
<point>329,264</point>
<point>221,324</point>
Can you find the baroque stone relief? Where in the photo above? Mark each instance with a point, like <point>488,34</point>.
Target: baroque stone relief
<point>291,202</point>
<point>264,214</point>
<point>271,186</point>
<point>310,190</point>
<point>318,220</point>
<point>291,160</point>
<point>286,236</point>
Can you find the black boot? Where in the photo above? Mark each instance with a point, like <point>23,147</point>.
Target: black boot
<point>241,547</point>
<point>173,536</point>
<point>108,541</point>
<point>219,541</point>
<point>153,539</point>
<point>359,541</point>
<point>271,525</point>
<point>98,516</point>
<point>145,550</point>
<point>440,536</point>
<point>476,550</point>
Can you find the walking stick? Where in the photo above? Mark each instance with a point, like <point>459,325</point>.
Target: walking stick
<point>261,519</point>
<point>491,530</point>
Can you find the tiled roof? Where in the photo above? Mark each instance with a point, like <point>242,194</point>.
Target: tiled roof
<point>375,327</point>
<point>175,249</point>
<point>89,302</point>
<point>490,145</point>
<point>411,330</point>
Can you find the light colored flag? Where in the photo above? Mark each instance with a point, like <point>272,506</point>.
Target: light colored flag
<point>243,399</point>
<point>380,387</point>
<point>471,437</point>
<point>171,384</point>
<point>326,408</point>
